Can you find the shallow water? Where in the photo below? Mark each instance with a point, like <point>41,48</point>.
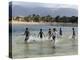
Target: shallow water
<point>37,47</point>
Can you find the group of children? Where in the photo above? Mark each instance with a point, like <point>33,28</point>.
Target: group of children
<point>51,34</point>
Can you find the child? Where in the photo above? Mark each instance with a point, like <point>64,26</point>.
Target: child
<point>60,32</point>
<point>41,34</point>
<point>27,33</point>
<point>54,36</point>
<point>49,33</point>
<point>73,35</point>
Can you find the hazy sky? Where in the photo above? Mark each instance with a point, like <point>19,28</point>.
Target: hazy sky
<point>21,8</point>
<point>34,4</point>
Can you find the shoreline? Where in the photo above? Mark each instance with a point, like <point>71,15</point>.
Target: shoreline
<point>20,22</point>
<point>45,23</point>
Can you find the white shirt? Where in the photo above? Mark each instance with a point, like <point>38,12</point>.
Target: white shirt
<point>54,33</point>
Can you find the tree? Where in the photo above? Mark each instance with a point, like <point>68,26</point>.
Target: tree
<point>64,18</point>
<point>26,18</point>
<point>36,18</point>
<point>17,18</point>
<point>74,19</point>
<point>48,18</point>
<point>42,18</point>
<point>57,18</point>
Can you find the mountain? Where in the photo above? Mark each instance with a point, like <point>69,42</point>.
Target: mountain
<point>66,12</point>
<point>25,10</point>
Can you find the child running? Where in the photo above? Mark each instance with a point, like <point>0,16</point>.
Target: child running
<point>73,35</point>
<point>41,34</point>
<point>54,36</point>
<point>27,33</point>
<point>60,32</point>
<point>49,33</point>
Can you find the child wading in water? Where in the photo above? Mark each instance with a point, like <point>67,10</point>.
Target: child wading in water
<point>27,33</point>
<point>73,35</point>
<point>49,33</point>
<point>60,32</point>
<point>41,34</point>
<point>54,36</point>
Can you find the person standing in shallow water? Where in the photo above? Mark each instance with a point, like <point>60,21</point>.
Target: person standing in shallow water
<point>73,35</point>
<point>49,33</point>
<point>54,36</point>
<point>60,32</point>
<point>41,34</point>
<point>27,33</point>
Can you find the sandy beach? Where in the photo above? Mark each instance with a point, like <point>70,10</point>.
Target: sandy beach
<point>45,23</point>
<point>23,22</point>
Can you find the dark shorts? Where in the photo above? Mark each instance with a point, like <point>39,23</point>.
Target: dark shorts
<point>41,37</point>
<point>60,33</point>
<point>53,37</point>
<point>26,38</point>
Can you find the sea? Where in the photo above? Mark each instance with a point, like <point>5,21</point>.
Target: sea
<point>36,47</point>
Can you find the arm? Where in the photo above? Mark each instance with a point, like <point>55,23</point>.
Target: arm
<point>47,34</point>
<point>29,33</point>
<point>51,34</point>
<point>56,34</point>
<point>24,33</point>
<point>38,34</point>
<point>44,34</point>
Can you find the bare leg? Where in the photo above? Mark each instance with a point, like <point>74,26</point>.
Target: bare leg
<point>73,36</point>
<point>26,39</point>
<point>54,44</point>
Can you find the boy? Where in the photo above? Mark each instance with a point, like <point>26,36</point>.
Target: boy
<point>73,35</point>
<point>49,33</point>
<point>60,32</point>
<point>27,33</point>
<point>41,34</point>
<point>54,36</point>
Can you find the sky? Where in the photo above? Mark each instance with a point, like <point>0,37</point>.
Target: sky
<point>21,8</point>
<point>48,5</point>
